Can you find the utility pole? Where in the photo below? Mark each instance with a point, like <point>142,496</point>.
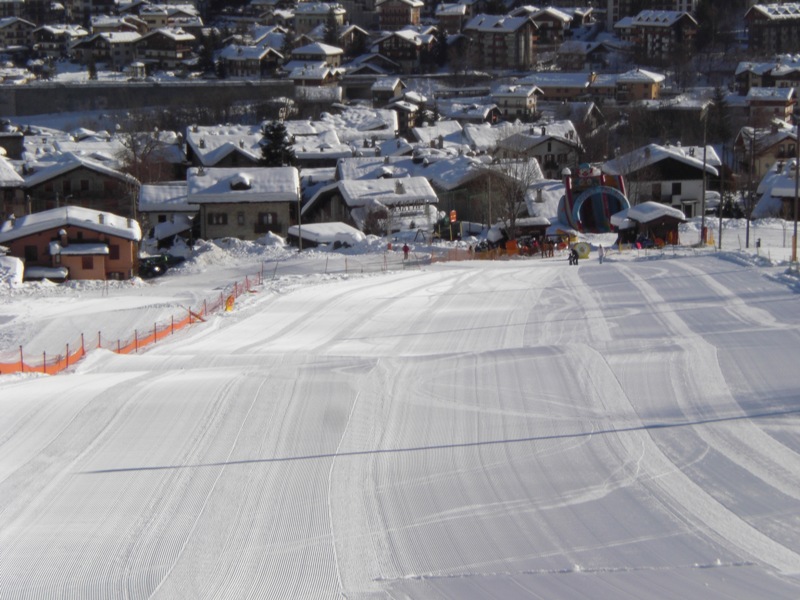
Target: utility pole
<point>703,236</point>
<point>796,190</point>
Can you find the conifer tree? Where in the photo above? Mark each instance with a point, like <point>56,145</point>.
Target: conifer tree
<point>276,149</point>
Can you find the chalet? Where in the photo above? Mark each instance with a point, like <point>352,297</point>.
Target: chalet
<point>318,52</point>
<point>671,175</point>
<point>244,203</point>
<point>165,211</point>
<point>553,24</point>
<point>758,150</point>
<point>165,48</point>
<point>12,8</point>
<point>777,191</point>
<point>663,36</point>
<point>560,87</point>
<point>309,15</point>
<point>54,41</point>
<point>502,42</point>
<point>765,104</point>
<point>783,72</point>
<point>405,203</point>
<point>80,181</point>
<point>131,23</point>
<point>637,84</point>
<point>249,61</point>
<point>556,146</point>
<point>12,196</point>
<point>396,14</point>
<point>408,47</point>
<point>451,17</point>
<point>516,101</point>
<point>386,89</point>
<point>74,242</point>
<point>115,49</point>
<point>773,28</point>
<point>224,146</point>
<point>16,32</point>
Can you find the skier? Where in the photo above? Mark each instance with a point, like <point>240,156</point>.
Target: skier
<point>573,257</point>
<point>601,253</point>
<point>405,251</point>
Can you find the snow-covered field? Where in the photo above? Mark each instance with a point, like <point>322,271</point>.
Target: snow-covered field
<point>507,429</point>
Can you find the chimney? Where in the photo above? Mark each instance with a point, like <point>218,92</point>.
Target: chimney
<point>101,218</point>
<point>62,238</point>
<point>399,188</point>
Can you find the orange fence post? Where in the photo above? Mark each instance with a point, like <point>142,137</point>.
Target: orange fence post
<point>21,361</point>
<point>119,350</point>
<point>135,341</point>
<point>44,362</point>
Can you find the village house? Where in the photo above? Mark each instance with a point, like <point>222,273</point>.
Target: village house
<point>451,17</point>
<point>76,180</point>
<point>165,48</point>
<point>765,104</point>
<point>244,203</point>
<point>74,242</point>
<point>316,52</point>
<point>758,150</point>
<point>249,61</point>
<point>663,36</point>
<point>165,212</point>
<point>12,195</point>
<point>773,28</point>
<point>391,204</point>
<point>16,32</point>
<point>555,146</point>
<point>502,42</point>
<point>54,41</point>
<point>672,175</point>
<point>396,14</point>
<point>309,15</point>
<point>553,24</point>
<point>516,101</point>
<point>115,49</point>
<point>783,72</point>
<point>224,145</point>
<point>408,47</point>
<point>386,89</point>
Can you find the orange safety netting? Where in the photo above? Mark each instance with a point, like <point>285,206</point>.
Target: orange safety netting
<point>52,364</point>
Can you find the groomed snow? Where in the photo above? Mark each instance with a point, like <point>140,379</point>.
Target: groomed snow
<point>508,429</point>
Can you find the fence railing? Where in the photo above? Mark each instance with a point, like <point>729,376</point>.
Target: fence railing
<point>55,362</point>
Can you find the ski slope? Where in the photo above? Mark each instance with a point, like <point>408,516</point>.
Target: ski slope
<point>517,429</point>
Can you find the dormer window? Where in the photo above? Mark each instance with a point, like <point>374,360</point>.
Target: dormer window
<point>241,181</point>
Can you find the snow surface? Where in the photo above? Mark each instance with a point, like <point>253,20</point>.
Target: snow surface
<point>477,429</point>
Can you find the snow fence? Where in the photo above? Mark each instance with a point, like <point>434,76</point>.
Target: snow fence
<point>56,362</point>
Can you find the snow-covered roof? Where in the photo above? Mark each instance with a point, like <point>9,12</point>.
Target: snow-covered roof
<point>776,11</point>
<point>653,153</point>
<point>165,197</point>
<point>328,233</point>
<point>646,212</point>
<point>659,18</point>
<point>318,49</point>
<point>387,192</point>
<point>95,220</point>
<point>496,23</point>
<point>65,163</point>
<point>231,185</point>
<point>85,249</point>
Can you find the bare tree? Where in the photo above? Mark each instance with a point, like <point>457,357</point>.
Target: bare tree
<point>509,179</point>
<point>143,146</point>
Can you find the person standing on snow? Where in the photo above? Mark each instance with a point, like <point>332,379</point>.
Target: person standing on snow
<point>405,251</point>
<point>601,253</point>
<point>573,256</point>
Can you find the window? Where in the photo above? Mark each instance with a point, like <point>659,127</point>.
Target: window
<point>87,262</point>
<point>66,186</point>
<point>31,254</point>
<point>240,218</point>
<point>84,185</point>
<point>676,188</point>
<point>217,218</point>
<point>655,192</point>
<point>162,218</point>
<point>113,252</point>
